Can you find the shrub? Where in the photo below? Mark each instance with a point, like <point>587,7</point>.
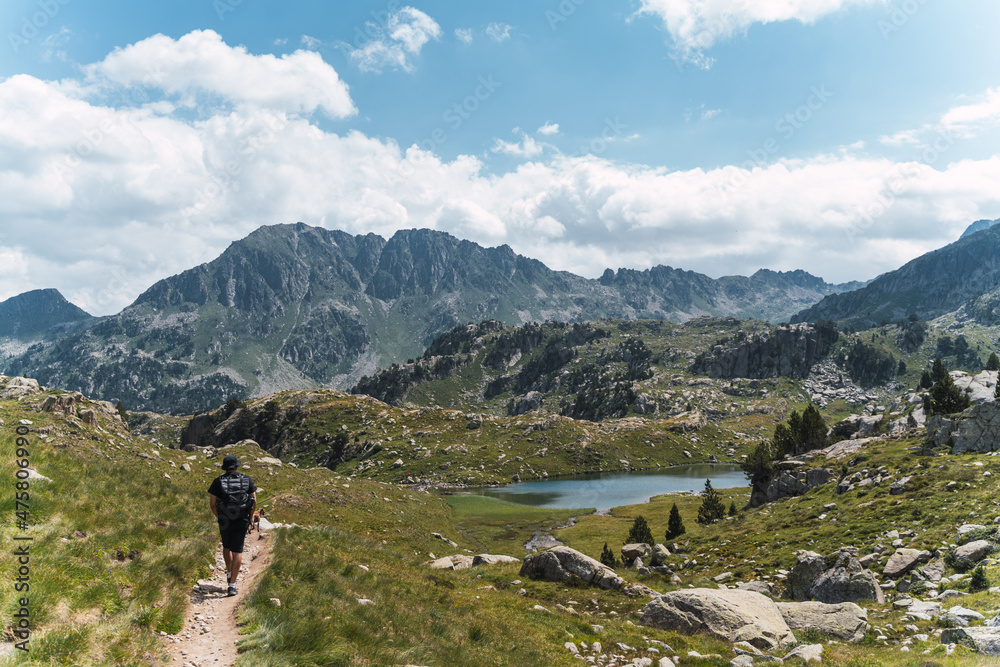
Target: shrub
<point>608,557</point>
<point>979,580</point>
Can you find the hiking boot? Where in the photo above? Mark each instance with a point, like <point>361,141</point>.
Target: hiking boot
<point>232,590</point>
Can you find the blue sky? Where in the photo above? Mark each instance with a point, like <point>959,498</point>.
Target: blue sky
<point>839,136</point>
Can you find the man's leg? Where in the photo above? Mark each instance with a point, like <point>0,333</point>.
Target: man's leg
<point>227,556</point>
<point>235,569</point>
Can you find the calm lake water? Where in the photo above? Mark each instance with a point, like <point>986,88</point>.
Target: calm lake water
<point>613,489</point>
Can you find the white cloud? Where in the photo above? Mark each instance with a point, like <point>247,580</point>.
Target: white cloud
<point>51,45</point>
<point>709,114</point>
<point>464,35</point>
<point>549,129</point>
<point>311,43</point>
<point>200,62</point>
<point>396,43</point>
<point>971,119</point>
<point>697,25</point>
<point>109,200</point>
<point>903,138</point>
<point>526,148</point>
<point>499,32</point>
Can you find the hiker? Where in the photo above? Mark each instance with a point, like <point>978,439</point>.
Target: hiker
<point>232,497</point>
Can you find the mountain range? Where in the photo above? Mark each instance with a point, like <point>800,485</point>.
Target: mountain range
<point>294,306</point>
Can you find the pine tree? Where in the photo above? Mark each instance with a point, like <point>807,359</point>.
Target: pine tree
<point>732,508</point>
<point>675,525</point>
<point>993,363</point>
<point>640,533</point>
<point>938,370</point>
<point>608,557</point>
<point>947,398</point>
<point>925,381</point>
<point>122,412</point>
<point>712,508</point>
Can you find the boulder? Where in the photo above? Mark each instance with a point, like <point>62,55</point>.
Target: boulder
<point>904,560</point>
<point>808,567</point>
<point>64,404</point>
<point>564,563</point>
<point>962,617</point>
<point>976,430</point>
<point>89,417</point>
<point>847,581</point>
<point>806,653</point>
<point>965,530</point>
<point>493,559</point>
<point>762,587</point>
<point>846,621</point>
<point>660,555</point>
<point>632,551</point>
<point>933,571</point>
<point>968,555</point>
<point>981,640</point>
<point>729,615</point>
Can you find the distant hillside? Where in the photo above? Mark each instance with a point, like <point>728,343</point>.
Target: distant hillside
<point>934,284</point>
<point>28,315</point>
<point>294,306</point>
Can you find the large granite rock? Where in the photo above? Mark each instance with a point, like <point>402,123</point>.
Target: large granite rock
<point>564,563</point>
<point>846,621</point>
<point>789,483</point>
<point>730,615</point>
<point>835,579</point>
<point>660,555</point>
<point>632,551</point>
<point>18,387</point>
<point>968,555</point>
<point>981,640</point>
<point>904,560</point>
<point>976,430</point>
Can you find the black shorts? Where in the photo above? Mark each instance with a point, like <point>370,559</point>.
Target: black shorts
<point>234,532</point>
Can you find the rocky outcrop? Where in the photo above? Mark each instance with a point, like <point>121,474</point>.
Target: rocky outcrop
<point>787,351</point>
<point>632,551</point>
<point>730,615</point>
<point>981,640</point>
<point>790,481</point>
<point>846,621</point>
<point>977,430</point>
<point>563,563</point>
<point>835,579</point>
<point>17,387</point>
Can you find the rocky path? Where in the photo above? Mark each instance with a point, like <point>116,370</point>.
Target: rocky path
<point>209,635</point>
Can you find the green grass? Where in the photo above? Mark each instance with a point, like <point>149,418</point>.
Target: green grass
<point>500,527</point>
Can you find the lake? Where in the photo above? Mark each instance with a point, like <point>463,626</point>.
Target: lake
<point>613,489</point>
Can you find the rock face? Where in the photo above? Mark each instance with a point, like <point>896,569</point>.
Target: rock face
<point>832,580</point>
<point>981,640</point>
<point>788,351</point>
<point>17,387</point>
<point>564,563</point>
<point>966,556</point>
<point>847,620</point>
<point>30,314</point>
<point>977,430</point>
<point>730,615</point>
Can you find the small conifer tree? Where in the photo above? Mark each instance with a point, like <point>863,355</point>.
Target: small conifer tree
<point>732,508</point>
<point>712,508</point>
<point>979,580</point>
<point>608,557</point>
<point>640,532</point>
<point>675,525</point>
<point>993,363</point>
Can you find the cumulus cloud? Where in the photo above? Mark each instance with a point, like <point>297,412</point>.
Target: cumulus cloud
<point>499,32</point>
<point>396,43</point>
<point>549,129</point>
<point>200,62</point>
<point>103,201</point>
<point>695,26</point>
<point>464,35</point>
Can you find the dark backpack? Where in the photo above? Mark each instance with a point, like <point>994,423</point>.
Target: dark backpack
<point>235,501</point>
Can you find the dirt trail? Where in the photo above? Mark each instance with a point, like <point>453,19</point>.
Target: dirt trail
<point>209,635</point>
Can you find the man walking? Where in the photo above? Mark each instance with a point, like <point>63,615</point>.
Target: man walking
<point>232,497</point>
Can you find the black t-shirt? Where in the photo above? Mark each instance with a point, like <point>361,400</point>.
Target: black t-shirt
<point>216,488</point>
